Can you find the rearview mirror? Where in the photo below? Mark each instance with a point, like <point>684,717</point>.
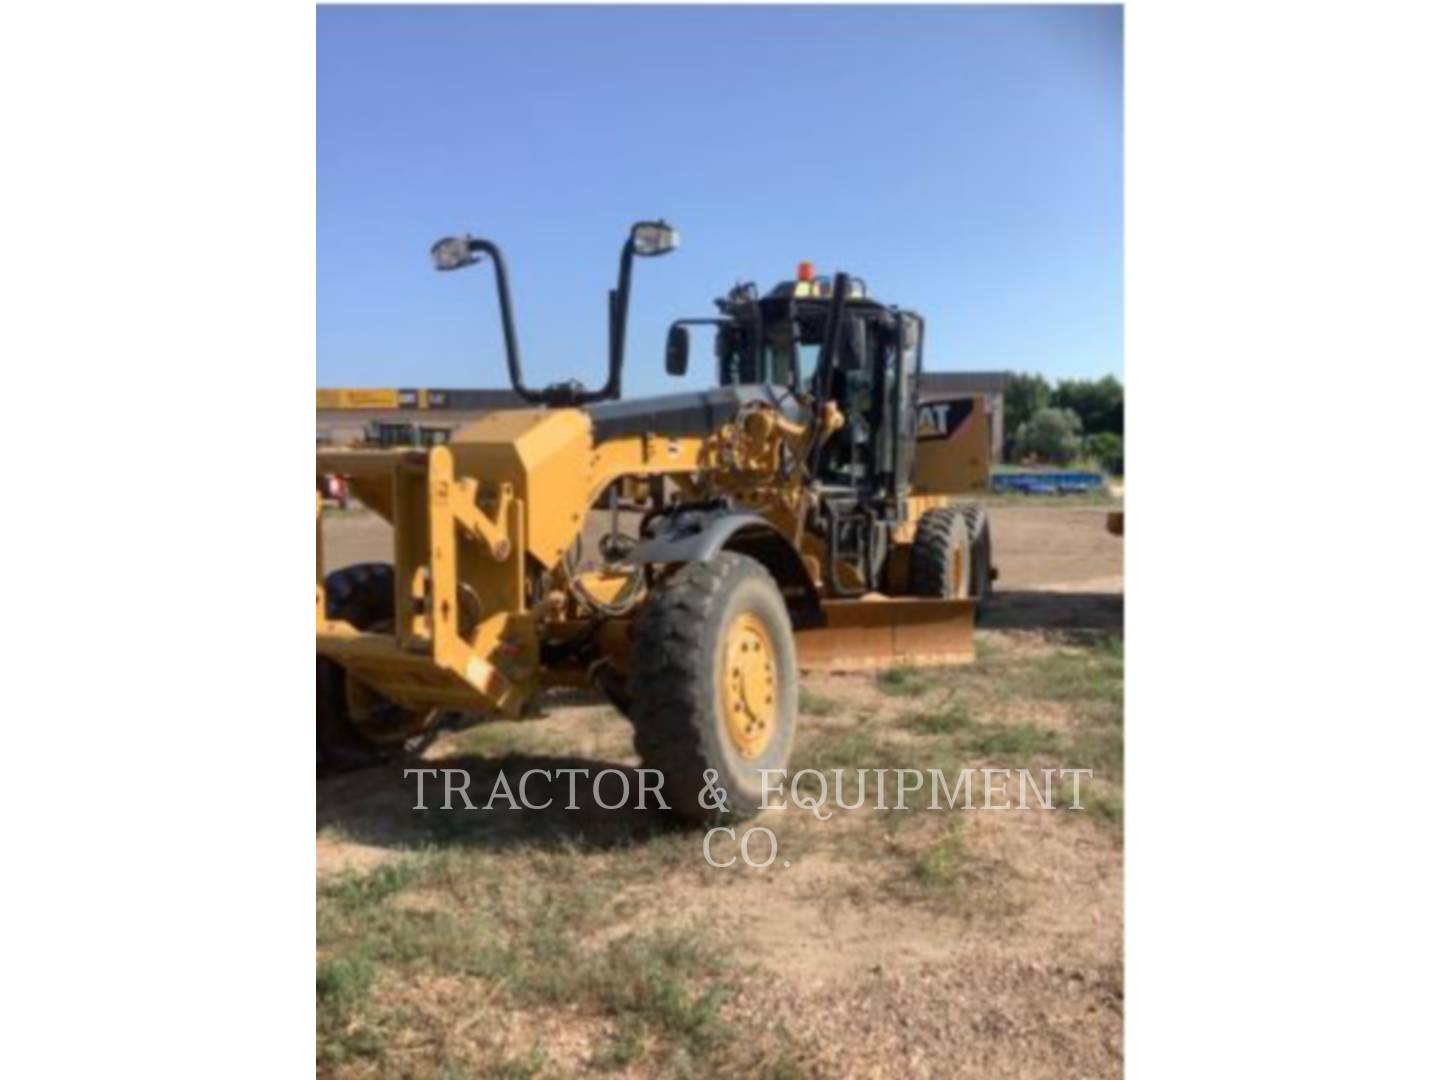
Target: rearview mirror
<point>677,351</point>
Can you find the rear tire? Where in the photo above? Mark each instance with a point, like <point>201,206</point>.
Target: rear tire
<point>364,596</point>
<point>714,684</point>
<point>977,525</point>
<point>940,564</point>
<point>950,558</point>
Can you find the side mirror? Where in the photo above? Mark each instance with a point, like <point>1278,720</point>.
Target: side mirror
<point>677,351</point>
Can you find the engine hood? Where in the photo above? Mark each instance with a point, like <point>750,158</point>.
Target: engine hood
<point>695,413</point>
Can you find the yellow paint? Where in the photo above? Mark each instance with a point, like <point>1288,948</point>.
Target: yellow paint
<point>959,464</point>
<point>748,688</point>
<point>357,399</point>
<point>475,521</point>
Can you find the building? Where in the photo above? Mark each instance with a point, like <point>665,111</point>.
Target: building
<point>345,416</point>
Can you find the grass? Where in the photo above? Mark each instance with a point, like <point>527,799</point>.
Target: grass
<point>1101,799</point>
<point>1102,748</point>
<point>943,860</point>
<point>813,704</point>
<point>643,979</point>
<point>949,718</point>
<point>1110,805</point>
<point>1091,677</point>
<point>853,749</point>
<point>1091,682</point>
<point>1019,742</point>
<point>344,1026</point>
<point>902,682</point>
<point>976,718</point>
<point>343,983</point>
<point>987,649</point>
<point>947,875</point>
<point>857,749</point>
<point>625,1049</point>
<point>981,718</point>
<point>354,892</point>
<point>558,930</point>
<point>524,926</point>
<point>531,1067</point>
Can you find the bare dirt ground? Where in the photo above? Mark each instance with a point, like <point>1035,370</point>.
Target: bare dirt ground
<point>880,943</point>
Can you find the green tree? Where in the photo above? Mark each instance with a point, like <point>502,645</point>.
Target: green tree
<point>1100,403</point>
<point>1052,436</point>
<point>1107,450</point>
<point>1025,395</point>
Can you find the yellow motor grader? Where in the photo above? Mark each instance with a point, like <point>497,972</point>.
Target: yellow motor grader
<point>802,514</point>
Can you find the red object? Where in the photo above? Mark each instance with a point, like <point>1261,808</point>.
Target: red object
<point>806,271</point>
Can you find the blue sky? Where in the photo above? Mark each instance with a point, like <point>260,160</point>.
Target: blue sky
<point>967,162</point>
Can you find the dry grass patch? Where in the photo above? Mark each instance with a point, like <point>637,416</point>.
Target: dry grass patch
<point>491,945</point>
<point>813,704</point>
<point>949,717</point>
<point>903,682</point>
<point>533,934</point>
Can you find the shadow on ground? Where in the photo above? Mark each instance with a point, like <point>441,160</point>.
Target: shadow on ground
<point>377,805</point>
<point>1058,611</point>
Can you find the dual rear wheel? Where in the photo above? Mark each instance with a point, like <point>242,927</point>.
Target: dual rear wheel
<point>950,558</point>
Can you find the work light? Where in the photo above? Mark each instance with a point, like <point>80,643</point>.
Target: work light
<point>453,253</point>
<point>654,238</point>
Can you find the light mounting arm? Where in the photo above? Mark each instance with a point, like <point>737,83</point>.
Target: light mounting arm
<point>647,239</point>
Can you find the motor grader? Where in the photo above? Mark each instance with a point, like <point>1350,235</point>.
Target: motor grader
<point>802,514</point>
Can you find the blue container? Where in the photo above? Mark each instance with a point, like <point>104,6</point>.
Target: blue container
<point>1058,482</point>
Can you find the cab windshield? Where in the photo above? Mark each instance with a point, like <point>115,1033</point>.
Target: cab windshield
<point>781,352</point>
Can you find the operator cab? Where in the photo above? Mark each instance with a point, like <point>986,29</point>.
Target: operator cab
<point>776,341</point>
<point>791,330</point>
<point>870,369</point>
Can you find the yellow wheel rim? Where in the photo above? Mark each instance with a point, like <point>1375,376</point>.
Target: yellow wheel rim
<point>749,691</point>
<point>961,570</point>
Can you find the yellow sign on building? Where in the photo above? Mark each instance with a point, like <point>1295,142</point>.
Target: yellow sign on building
<point>357,399</point>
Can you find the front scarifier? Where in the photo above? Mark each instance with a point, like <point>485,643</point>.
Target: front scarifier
<point>789,519</point>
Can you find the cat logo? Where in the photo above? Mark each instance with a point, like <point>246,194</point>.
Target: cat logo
<point>942,419</point>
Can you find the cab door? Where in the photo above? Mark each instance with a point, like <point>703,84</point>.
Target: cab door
<point>902,397</point>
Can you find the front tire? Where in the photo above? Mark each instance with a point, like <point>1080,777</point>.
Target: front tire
<point>714,684</point>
